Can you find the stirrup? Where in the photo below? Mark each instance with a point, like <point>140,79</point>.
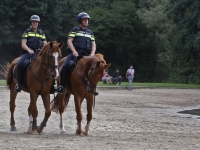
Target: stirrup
<point>60,89</point>
<point>96,93</point>
<point>18,87</point>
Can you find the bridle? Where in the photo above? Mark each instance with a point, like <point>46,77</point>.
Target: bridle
<point>89,85</point>
<point>47,67</point>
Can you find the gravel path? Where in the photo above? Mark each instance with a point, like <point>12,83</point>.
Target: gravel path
<point>122,120</point>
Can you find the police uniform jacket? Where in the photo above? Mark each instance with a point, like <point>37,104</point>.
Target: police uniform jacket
<point>82,38</point>
<point>34,39</point>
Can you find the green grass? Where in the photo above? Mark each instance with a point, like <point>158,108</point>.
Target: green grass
<point>156,85</point>
<point>2,82</point>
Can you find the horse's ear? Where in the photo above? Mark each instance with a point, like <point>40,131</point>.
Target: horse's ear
<point>99,62</point>
<point>51,44</point>
<point>107,65</point>
<point>61,45</point>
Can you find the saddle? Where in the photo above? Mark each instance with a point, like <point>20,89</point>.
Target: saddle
<point>69,69</point>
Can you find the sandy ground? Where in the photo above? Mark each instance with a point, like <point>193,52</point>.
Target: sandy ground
<point>122,120</point>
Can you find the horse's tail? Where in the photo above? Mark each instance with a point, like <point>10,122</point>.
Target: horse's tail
<point>59,104</point>
<point>7,73</point>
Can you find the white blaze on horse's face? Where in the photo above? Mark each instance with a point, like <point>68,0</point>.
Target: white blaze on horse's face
<point>55,54</point>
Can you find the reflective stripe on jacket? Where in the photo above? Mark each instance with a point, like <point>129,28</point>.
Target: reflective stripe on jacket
<point>34,39</point>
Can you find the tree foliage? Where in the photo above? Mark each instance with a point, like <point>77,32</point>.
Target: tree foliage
<point>160,38</point>
<point>186,41</point>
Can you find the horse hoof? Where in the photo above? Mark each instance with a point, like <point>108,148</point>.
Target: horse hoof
<point>13,129</point>
<point>39,129</point>
<point>34,131</point>
<point>80,133</point>
<point>41,133</point>
<point>86,134</point>
<point>62,132</point>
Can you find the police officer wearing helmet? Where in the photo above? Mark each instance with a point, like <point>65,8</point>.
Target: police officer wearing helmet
<point>80,41</point>
<point>33,40</point>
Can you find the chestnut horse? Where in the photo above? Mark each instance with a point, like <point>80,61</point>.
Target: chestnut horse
<point>38,81</point>
<point>82,83</point>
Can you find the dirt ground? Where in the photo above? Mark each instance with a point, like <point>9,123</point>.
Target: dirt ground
<point>138,120</point>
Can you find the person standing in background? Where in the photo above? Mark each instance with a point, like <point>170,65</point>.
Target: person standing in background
<point>130,75</point>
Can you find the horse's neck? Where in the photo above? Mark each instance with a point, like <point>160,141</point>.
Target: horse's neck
<point>40,63</point>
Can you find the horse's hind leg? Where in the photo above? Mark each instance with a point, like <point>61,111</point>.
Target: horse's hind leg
<point>62,128</point>
<point>89,115</point>
<point>77,102</point>
<point>33,111</point>
<point>46,102</point>
<point>61,99</point>
<point>13,96</point>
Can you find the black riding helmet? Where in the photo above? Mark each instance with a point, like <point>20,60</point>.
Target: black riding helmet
<point>81,16</point>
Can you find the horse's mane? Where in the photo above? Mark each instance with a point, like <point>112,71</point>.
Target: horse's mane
<point>45,47</point>
<point>101,58</point>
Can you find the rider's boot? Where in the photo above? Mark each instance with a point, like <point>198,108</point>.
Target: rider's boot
<point>62,81</point>
<point>96,93</point>
<point>19,81</point>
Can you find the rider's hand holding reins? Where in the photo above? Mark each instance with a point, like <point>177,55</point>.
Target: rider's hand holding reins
<point>25,47</point>
<point>75,53</point>
<point>71,47</point>
<point>30,51</point>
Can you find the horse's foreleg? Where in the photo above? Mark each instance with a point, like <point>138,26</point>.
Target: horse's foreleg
<point>77,102</point>
<point>46,102</point>
<point>33,98</point>
<point>89,115</point>
<point>62,128</point>
<point>12,108</point>
<point>30,121</point>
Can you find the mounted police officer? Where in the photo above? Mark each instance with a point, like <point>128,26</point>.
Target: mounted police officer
<point>33,40</point>
<point>81,41</point>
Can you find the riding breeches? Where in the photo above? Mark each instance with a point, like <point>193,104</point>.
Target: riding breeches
<point>71,57</point>
<point>20,64</point>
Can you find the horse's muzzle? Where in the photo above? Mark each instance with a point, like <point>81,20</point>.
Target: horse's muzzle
<point>55,74</point>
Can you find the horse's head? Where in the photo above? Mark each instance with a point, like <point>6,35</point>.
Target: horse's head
<point>96,68</point>
<point>52,54</point>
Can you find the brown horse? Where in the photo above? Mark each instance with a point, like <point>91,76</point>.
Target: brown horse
<point>39,77</point>
<point>82,83</point>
